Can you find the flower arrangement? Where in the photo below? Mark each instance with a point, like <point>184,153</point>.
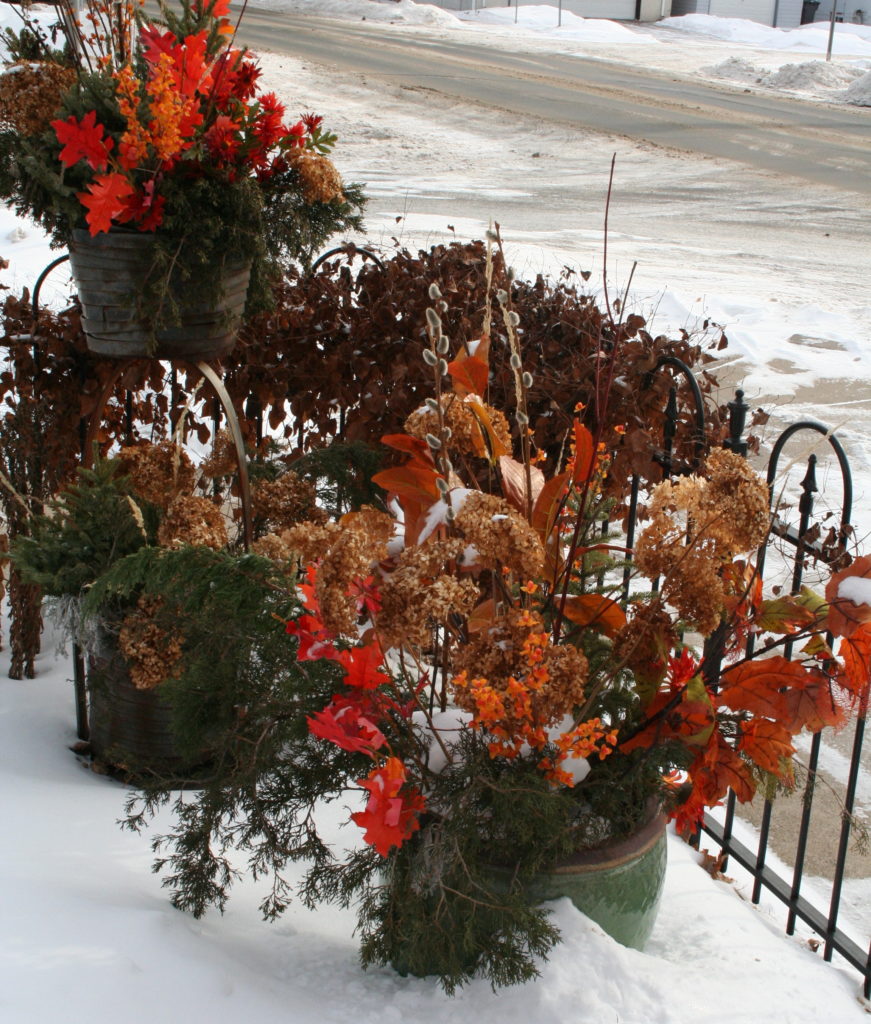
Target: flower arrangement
<point>504,701</point>
<point>496,682</point>
<point>161,126</point>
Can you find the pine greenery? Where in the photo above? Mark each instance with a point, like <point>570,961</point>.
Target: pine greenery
<point>92,524</point>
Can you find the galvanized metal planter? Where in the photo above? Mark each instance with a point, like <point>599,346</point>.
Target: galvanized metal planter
<point>107,269</point>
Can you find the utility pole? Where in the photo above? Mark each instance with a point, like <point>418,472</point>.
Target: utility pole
<point>831,30</point>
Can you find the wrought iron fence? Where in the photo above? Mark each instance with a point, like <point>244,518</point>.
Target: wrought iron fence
<point>813,538</point>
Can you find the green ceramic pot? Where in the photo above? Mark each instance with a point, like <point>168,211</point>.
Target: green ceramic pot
<point>618,885</point>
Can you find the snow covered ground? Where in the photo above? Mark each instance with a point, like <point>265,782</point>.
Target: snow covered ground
<point>87,932</point>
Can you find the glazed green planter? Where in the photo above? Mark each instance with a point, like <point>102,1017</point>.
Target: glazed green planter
<point>617,885</point>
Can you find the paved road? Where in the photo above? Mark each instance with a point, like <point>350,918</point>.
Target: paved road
<point>823,143</point>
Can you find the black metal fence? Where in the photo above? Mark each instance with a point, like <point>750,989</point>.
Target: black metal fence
<point>818,535</point>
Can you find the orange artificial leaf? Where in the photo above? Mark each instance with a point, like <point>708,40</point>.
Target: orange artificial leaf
<point>470,375</point>
<point>493,448</point>
<point>813,707</point>
<point>513,474</point>
<point>768,744</point>
<point>718,769</point>
<point>585,454</point>
<point>856,654</point>
<point>755,686</point>
<point>846,613</point>
<point>548,503</point>
<point>104,200</point>
<point>416,447</point>
<point>482,617</point>
<point>595,610</point>
<point>412,481</point>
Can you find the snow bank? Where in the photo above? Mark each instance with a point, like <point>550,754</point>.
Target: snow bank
<point>849,39</point>
<point>859,93</point>
<point>815,76</point>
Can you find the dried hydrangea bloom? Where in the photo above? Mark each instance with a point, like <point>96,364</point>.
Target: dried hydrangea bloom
<point>645,642</point>
<point>697,527</point>
<point>285,502</point>
<point>31,94</point>
<point>152,652</point>
<point>308,540</point>
<point>158,472</point>
<point>466,435</point>
<point>276,548</point>
<point>500,535</point>
<point>418,594</point>
<point>517,648</point>
<point>321,182</point>
<point>222,460</point>
<point>354,549</point>
<point>192,520</point>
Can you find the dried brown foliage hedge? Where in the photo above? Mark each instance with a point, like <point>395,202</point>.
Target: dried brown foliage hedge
<point>340,357</point>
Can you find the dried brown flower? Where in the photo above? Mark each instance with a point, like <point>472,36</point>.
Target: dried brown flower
<point>158,472</point>
<point>222,460</point>
<point>500,535</point>
<point>697,527</point>
<point>321,182</point>
<point>418,594</point>
<point>192,520</point>
<point>285,502</point>
<point>31,94</point>
<point>466,434</point>
<point>152,652</point>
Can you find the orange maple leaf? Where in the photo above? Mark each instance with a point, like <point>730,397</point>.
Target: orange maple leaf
<point>768,744</point>
<point>855,651</point>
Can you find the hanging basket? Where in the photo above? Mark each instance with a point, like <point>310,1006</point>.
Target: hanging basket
<point>107,269</point>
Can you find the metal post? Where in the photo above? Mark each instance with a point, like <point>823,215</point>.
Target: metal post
<point>559,19</point>
<point>831,30</point>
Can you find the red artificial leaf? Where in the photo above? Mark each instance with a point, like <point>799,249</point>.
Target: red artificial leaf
<point>718,769</point>
<point>391,816</point>
<point>482,617</point>
<point>585,454</point>
<point>595,610</point>
<point>343,723</point>
<point>417,448</point>
<point>104,200</point>
<point>362,667</point>
<point>83,140</point>
<point>493,448</point>
<point>783,615</point>
<point>154,42</point>
<point>315,640</point>
<point>768,744</point>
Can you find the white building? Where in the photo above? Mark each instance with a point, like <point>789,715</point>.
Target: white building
<point>778,13</point>
<point>614,10</point>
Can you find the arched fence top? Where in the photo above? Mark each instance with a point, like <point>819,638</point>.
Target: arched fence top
<point>828,435</point>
